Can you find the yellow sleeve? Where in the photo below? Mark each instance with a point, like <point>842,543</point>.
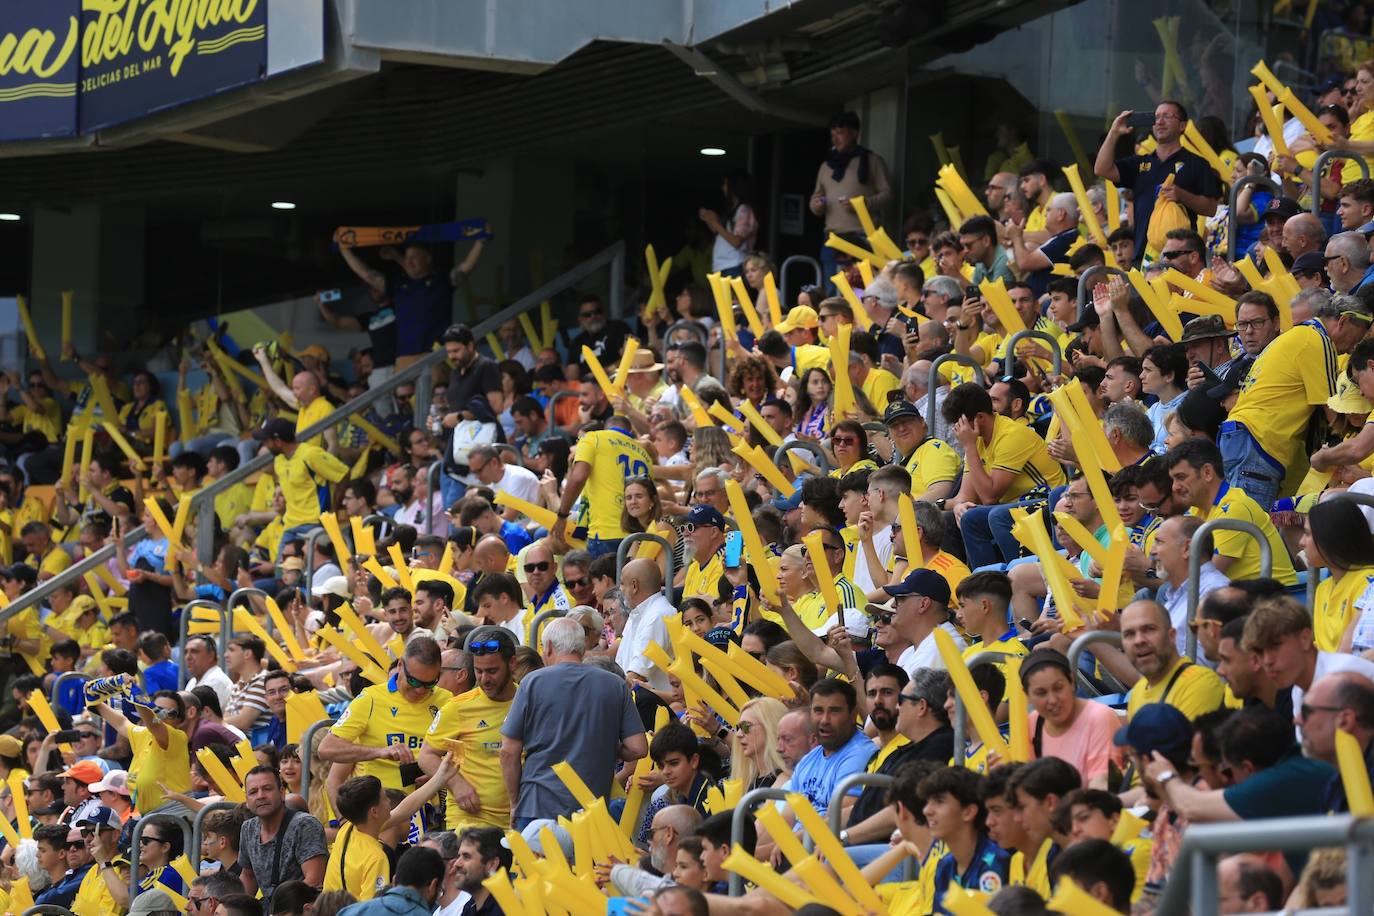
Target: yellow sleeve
<point>326,465</point>
<point>1318,375</point>
<point>586,449</point>
<point>445,726</point>
<point>353,722</point>
<point>56,561</point>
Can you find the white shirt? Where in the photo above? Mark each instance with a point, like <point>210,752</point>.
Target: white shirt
<point>456,907</point>
<point>217,681</point>
<point>927,654</point>
<point>518,482</point>
<point>646,624</point>
<point>1292,130</point>
<point>1175,601</point>
<point>516,625</point>
<point>882,546</point>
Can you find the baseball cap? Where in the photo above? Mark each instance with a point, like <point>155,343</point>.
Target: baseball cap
<point>84,771</point>
<point>899,410</point>
<point>1326,85</point>
<point>100,816</point>
<point>706,515</point>
<point>114,781</point>
<point>1309,262</point>
<point>1089,319</point>
<point>334,585</point>
<point>10,746</point>
<point>295,563</point>
<point>1282,208</point>
<point>801,316</point>
<point>152,901</point>
<point>1156,727</point>
<point>1204,327</point>
<point>922,582</point>
<point>276,428</point>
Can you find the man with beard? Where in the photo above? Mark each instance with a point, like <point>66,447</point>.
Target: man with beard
<point>668,827</point>
<point>842,749</point>
<point>605,338</point>
<point>477,793</point>
<point>1150,645</point>
<point>300,836</point>
<point>481,853</point>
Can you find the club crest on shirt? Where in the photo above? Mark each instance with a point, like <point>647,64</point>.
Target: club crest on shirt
<point>990,882</point>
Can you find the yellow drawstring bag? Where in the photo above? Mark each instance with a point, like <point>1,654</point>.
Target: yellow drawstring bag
<point>1166,217</point>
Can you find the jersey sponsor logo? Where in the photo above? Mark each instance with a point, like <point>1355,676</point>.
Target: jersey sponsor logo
<point>481,723</point>
<point>990,882</point>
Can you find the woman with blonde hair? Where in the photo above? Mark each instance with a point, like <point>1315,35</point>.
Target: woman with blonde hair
<point>1323,881</point>
<point>754,757</point>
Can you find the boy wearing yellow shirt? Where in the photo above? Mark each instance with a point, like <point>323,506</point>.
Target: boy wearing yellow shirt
<point>357,861</point>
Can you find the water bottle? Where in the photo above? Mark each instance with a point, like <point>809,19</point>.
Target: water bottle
<point>436,420</point>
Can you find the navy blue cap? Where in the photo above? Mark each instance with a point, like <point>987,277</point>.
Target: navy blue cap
<point>901,410</point>
<point>922,582</point>
<point>1156,727</point>
<point>100,816</point>
<point>276,428</point>
<point>706,515</point>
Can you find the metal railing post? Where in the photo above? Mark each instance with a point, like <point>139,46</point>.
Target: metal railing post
<point>781,451</point>
<point>225,628</point>
<point>54,696</point>
<point>206,525</point>
<point>1195,561</point>
<point>312,537</point>
<point>198,829</point>
<point>622,556</point>
<point>478,633</point>
<point>553,403</point>
<point>686,324</point>
<point>1085,282</point>
<point>1263,181</point>
<point>1079,645</point>
<point>745,809</point>
<point>1320,165</point>
<point>186,836</point>
<point>234,601</point>
<point>784,288</point>
<point>933,381</point>
<point>835,812</point>
<point>537,625</point>
<point>1056,355</point>
<point>960,718</point>
<point>307,750</point>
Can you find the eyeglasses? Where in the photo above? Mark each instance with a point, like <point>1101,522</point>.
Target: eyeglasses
<point>541,566</point>
<point>832,546</point>
<point>913,241</point>
<point>1152,508</point>
<point>1306,710</point>
<point>908,698</point>
<point>485,647</point>
<point>1251,325</point>
<point>844,440</point>
<point>415,682</point>
<point>589,314</point>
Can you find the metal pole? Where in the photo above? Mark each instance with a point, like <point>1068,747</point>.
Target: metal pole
<point>622,556</point>
<point>1359,876</point>
<point>54,698</point>
<point>1317,170</point>
<point>424,396</point>
<point>1056,355</point>
<point>537,625</point>
<point>1262,181</point>
<point>1085,283</point>
<point>1195,561</point>
<point>960,721</point>
<point>933,381</point>
<point>1077,647</point>
<point>836,810</point>
<point>744,809</point>
<point>198,828</point>
<point>311,538</point>
<point>478,633</point>
<point>553,402</point>
<point>814,448</point>
<point>185,624</point>
<point>306,750</point>
<point>1204,893</point>
<point>784,289</point>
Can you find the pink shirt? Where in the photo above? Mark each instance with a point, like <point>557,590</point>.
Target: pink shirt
<point>1087,745</point>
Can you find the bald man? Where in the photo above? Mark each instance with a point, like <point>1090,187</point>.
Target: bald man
<point>1303,233</point>
<point>541,578</point>
<point>642,584</point>
<point>668,827</point>
<point>1341,701</point>
<point>304,396</point>
<point>1149,643</point>
<point>1246,884</point>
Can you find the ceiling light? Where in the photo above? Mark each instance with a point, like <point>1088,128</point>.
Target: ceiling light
<point>10,217</point>
<point>712,151</point>
<point>283,205</point>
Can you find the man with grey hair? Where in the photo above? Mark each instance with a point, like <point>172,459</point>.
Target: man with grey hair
<point>208,890</point>
<point>1037,263</point>
<point>916,390</point>
<point>1171,549</point>
<point>576,578</point>
<point>1296,374</point>
<point>938,294</point>
<point>1306,303</point>
<point>566,712</point>
<point>1347,261</point>
<point>1129,433</point>
<point>642,583</point>
<point>709,490</point>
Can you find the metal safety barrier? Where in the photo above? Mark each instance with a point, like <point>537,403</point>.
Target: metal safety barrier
<point>1320,165</point>
<point>198,828</point>
<point>744,809</point>
<point>135,847</point>
<point>1193,879</point>
<point>960,718</point>
<point>55,695</point>
<point>1195,561</point>
<point>622,556</point>
<point>312,538</point>
<point>814,448</point>
<point>1056,354</point>
<point>1259,181</point>
<point>933,381</point>
<point>477,633</point>
<point>835,813</point>
<point>226,629</point>
<point>1080,645</point>
<point>307,751</point>
<point>1086,280</point>
<point>785,289</point>
<point>1361,499</point>
<point>702,335</point>
<point>537,626</point>
<point>234,601</point>
<point>553,403</point>
<point>419,372</point>
<point>50,909</point>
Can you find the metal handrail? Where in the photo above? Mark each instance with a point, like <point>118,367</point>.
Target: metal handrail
<point>1194,867</point>
<point>960,719</point>
<point>306,750</point>
<point>419,371</point>
<point>933,381</point>
<point>134,848</point>
<point>1080,645</point>
<point>835,813</point>
<point>1056,354</point>
<point>1362,499</point>
<point>813,447</point>
<point>1263,181</point>
<point>1085,281</point>
<point>783,288</point>
<point>378,519</point>
<point>198,829</point>
<point>553,402</point>
<point>48,909</point>
<point>743,810</point>
<point>1195,561</point>
<point>54,693</point>
<point>702,335</point>
<point>436,468</point>
<point>1320,164</point>
<point>537,626</point>
<point>234,601</point>
<point>226,628</point>
<point>312,537</point>
<point>622,556</point>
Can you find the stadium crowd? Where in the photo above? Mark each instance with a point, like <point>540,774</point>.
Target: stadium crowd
<point>453,686</point>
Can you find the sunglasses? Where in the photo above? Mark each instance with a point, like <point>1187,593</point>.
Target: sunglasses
<point>1306,710</point>
<point>574,583</point>
<point>844,440</point>
<point>589,315</point>
<point>691,527</point>
<point>541,566</point>
<point>883,619</point>
<point>1171,255</point>
<point>908,698</point>
<point>485,647</point>
<point>415,682</point>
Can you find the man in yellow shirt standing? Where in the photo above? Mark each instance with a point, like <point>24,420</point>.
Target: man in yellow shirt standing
<point>1294,375</point>
<point>472,720</point>
<point>304,473</point>
<point>603,461</point>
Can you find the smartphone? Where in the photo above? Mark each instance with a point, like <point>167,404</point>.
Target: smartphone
<point>409,773</point>
<point>972,292</point>
<point>1141,120</point>
<point>67,736</point>
<point>734,546</point>
<point>331,295</point>
<point>1025,623</point>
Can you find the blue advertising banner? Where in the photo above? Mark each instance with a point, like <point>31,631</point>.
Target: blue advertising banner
<point>76,66</point>
<point>39,62</point>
